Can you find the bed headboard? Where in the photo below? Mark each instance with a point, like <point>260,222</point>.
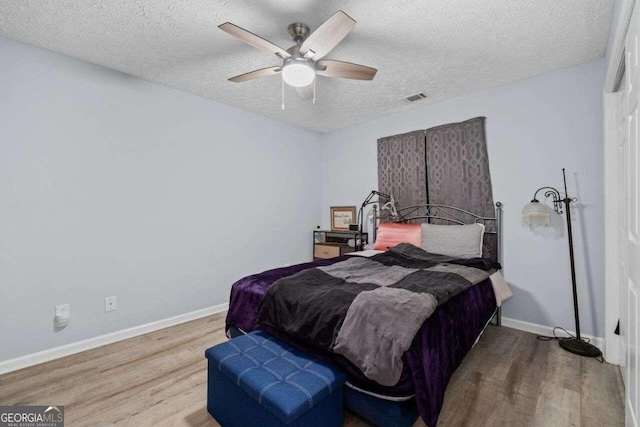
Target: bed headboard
<point>451,215</point>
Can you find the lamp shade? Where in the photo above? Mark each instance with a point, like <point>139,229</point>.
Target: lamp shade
<point>298,74</point>
<point>536,214</point>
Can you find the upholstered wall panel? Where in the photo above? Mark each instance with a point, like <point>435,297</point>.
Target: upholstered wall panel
<point>402,168</point>
<point>458,172</point>
<point>446,165</point>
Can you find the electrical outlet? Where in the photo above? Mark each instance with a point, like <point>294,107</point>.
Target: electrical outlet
<point>63,310</point>
<point>62,315</point>
<point>110,304</point>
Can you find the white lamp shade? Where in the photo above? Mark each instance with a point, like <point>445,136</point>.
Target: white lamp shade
<point>298,74</point>
<point>536,214</point>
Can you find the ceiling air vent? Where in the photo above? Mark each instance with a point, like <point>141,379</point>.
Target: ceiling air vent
<point>416,97</point>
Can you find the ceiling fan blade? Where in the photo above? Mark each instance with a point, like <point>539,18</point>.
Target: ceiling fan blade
<point>327,35</point>
<point>253,40</point>
<point>305,92</point>
<point>345,70</point>
<point>263,72</point>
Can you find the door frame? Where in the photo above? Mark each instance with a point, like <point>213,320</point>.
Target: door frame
<point>612,291</point>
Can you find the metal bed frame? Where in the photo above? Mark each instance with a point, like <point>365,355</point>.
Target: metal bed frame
<point>450,215</point>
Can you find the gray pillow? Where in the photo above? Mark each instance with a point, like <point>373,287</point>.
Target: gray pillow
<point>461,241</point>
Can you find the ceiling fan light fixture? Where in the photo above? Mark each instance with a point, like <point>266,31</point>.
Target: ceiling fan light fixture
<point>302,61</point>
<point>298,74</point>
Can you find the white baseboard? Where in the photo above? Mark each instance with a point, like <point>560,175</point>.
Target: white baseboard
<point>21,362</point>
<point>79,346</point>
<point>534,328</point>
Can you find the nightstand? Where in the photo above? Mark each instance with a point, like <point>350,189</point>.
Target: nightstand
<point>330,244</point>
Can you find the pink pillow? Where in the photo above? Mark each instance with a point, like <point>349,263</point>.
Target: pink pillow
<point>391,234</point>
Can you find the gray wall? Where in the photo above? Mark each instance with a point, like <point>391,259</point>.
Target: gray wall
<point>110,185</point>
<point>535,127</point>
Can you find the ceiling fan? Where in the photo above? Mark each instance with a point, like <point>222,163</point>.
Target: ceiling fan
<point>304,60</point>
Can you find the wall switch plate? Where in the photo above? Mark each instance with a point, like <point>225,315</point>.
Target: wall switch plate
<point>110,304</point>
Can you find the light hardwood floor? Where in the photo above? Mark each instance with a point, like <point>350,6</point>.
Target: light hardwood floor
<point>509,379</point>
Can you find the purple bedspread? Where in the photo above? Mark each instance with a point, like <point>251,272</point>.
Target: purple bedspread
<point>435,353</point>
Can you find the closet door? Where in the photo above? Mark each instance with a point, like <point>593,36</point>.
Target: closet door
<point>622,166</point>
<point>629,162</point>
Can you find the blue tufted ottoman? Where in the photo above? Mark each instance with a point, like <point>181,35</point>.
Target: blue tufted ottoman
<point>257,380</point>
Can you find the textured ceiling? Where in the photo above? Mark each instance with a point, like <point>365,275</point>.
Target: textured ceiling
<point>442,48</point>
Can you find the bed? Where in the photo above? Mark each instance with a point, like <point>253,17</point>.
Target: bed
<point>434,353</point>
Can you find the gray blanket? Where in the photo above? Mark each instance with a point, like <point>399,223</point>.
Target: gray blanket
<point>369,309</point>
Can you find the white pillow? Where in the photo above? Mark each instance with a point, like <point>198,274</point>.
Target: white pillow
<point>460,241</point>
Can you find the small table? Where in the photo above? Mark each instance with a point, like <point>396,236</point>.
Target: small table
<point>331,243</point>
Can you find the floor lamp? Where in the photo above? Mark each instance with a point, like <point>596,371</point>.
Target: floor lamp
<point>536,214</point>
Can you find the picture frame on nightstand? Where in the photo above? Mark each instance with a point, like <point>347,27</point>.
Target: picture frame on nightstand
<point>342,217</point>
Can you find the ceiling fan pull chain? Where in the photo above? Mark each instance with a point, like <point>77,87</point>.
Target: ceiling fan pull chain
<point>283,94</point>
<point>314,91</point>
